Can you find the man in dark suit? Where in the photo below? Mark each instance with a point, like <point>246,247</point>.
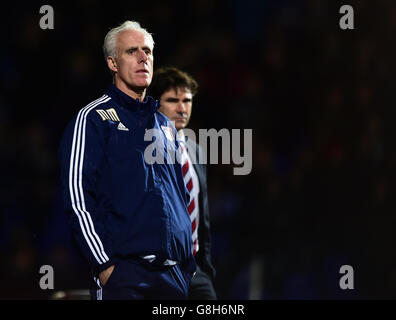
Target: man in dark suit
<point>175,90</point>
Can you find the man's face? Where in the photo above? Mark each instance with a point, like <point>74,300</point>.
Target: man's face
<point>176,104</point>
<point>133,65</point>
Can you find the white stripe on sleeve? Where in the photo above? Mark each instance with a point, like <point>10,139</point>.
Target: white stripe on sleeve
<point>75,182</point>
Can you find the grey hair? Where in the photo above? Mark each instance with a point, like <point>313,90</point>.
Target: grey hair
<point>109,45</point>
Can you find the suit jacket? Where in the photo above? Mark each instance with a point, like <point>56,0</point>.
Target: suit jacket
<point>203,257</point>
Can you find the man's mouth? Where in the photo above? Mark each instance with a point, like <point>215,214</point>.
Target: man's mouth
<point>181,118</point>
<point>142,71</point>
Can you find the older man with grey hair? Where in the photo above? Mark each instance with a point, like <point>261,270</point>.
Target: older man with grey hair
<point>128,217</point>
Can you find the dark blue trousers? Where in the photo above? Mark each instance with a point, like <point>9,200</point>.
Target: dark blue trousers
<point>138,279</point>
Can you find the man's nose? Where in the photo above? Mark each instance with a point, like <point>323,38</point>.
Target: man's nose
<point>181,107</point>
<point>142,56</point>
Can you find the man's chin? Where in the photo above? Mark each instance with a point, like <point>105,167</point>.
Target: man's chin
<point>179,125</point>
<point>143,82</point>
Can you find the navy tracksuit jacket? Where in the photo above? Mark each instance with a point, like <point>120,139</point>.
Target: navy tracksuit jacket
<point>122,208</point>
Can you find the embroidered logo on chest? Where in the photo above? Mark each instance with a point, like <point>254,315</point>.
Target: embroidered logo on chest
<point>111,115</point>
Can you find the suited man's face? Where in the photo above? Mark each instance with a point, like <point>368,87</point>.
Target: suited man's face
<point>176,104</point>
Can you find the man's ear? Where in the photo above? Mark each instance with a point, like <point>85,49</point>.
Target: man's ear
<point>112,64</point>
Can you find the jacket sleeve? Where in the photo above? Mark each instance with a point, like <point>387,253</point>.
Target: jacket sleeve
<point>81,152</point>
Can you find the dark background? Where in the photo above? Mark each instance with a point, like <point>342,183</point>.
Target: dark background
<point>320,101</point>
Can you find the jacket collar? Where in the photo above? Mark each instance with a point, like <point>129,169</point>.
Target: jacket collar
<point>181,135</point>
